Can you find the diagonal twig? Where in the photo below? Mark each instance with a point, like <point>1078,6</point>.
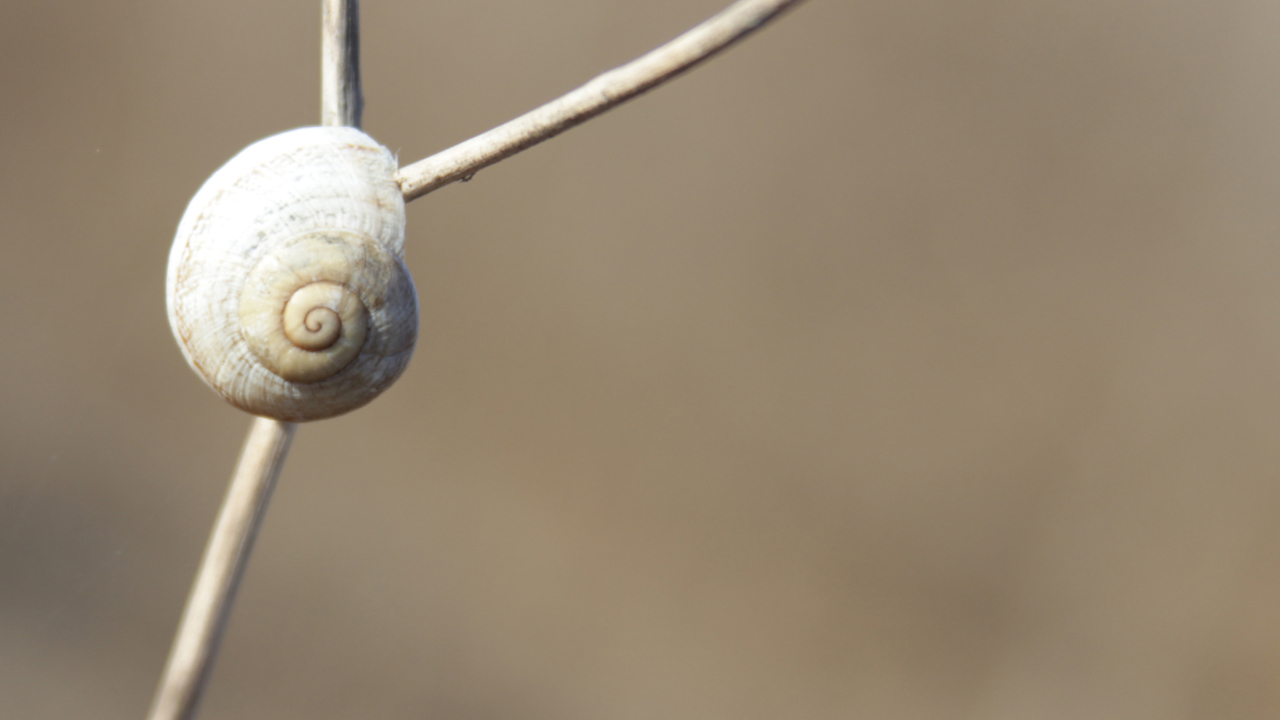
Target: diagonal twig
<point>209,605</point>
<point>600,94</point>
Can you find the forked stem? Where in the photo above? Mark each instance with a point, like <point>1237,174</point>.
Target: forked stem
<point>225,557</point>
<point>600,94</point>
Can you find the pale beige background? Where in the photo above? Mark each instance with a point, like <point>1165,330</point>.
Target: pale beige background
<point>916,359</point>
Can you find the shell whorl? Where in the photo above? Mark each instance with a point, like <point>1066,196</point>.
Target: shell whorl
<point>287,290</point>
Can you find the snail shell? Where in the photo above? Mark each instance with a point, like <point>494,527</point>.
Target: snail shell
<point>287,290</point>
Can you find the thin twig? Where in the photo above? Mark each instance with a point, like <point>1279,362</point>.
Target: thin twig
<point>612,88</point>
<point>341,102</point>
<point>209,605</point>
<point>204,619</point>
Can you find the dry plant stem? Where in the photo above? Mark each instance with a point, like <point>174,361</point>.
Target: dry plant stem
<point>612,88</point>
<point>341,102</point>
<point>225,557</point>
<point>209,605</point>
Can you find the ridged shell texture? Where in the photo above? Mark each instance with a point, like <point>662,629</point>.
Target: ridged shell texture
<point>287,290</point>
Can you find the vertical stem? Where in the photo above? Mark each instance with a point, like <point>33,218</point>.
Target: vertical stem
<point>209,605</point>
<point>340,100</point>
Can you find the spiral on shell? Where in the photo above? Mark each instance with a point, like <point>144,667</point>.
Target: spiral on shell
<point>287,289</point>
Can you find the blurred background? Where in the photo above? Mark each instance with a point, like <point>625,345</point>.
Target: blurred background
<point>913,359</point>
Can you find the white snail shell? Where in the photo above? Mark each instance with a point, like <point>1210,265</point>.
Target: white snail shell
<point>287,290</point>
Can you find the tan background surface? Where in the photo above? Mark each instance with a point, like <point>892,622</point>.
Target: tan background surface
<point>916,359</point>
